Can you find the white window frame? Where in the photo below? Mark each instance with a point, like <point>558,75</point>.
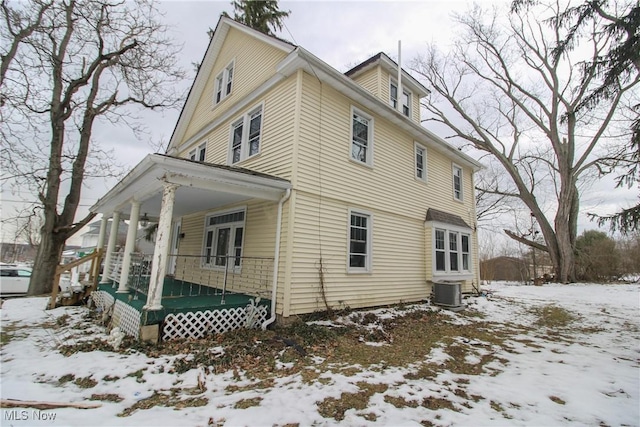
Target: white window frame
<point>458,232</point>
<point>234,226</point>
<point>199,154</point>
<point>457,194</point>
<point>393,102</point>
<point>370,135</point>
<point>368,261</point>
<point>223,83</point>
<point>245,121</point>
<point>416,150</point>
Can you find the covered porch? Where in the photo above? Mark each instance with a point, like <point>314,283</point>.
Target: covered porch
<point>222,284</point>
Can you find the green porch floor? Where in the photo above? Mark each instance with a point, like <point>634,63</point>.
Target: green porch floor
<point>181,297</point>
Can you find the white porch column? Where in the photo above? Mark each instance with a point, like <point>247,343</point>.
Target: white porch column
<point>111,246</point>
<point>129,247</point>
<point>103,231</point>
<point>161,250</point>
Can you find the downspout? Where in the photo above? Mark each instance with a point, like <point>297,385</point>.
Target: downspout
<point>276,261</point>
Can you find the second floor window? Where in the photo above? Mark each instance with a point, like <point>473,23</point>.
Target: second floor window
<point>246,136</point>
<point>199,153</point>
<point>421,162</point>
<point>361,138</point>
<point>406,99</point>
<point>457,182</point>
<point>224,84</point>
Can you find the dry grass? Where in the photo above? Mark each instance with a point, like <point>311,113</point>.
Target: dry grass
<point>336,408</point>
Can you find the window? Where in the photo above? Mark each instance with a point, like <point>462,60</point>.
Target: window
<point>224,84</point>
<point>199,153</point>
<point>406,99</point>
<point>441,264</point>
<point>457,182</point>
<point>421,162</point>
<point>451,251</point>
<point>223,239</point>
<point>361,138</point>
<point>245,136</point>
<point>359,242</point>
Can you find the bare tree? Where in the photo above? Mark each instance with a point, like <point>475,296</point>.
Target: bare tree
<point>504,91</point>
<point>81,63</point>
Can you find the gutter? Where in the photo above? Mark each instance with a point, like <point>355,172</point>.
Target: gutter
<point>276,260</point>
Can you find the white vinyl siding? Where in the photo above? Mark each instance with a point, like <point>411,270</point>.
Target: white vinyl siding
<point>361,137</point>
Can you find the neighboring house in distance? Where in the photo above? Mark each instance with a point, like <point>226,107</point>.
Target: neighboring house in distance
<point>505,268</point>
<point>277,154</point>
<point>17,252</point>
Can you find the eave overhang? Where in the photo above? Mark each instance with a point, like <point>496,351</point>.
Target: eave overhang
<point>201,186</point>
<point>302,59</point>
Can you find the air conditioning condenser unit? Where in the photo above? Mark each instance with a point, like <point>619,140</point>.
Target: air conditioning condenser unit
<point>448,295</point>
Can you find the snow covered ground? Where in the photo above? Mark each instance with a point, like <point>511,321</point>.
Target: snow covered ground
<point>549,370</point>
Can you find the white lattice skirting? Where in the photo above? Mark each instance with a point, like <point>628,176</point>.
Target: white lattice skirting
<point>103,300</point>
<point>197,324</point>
<point>127,319</point>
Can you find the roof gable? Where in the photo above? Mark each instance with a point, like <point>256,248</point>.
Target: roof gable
<point>389,65</point>
<point>206,69</point>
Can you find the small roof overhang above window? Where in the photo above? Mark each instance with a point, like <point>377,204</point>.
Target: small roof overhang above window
<point>441,217</point>
<point>201,186</point>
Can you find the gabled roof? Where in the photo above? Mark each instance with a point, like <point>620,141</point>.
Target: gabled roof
<point>299,58</point>
<point>388,64</point>
<point>206,68</point>
<point>444,217</point>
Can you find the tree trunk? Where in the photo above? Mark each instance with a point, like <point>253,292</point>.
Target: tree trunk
<point>47,259</point>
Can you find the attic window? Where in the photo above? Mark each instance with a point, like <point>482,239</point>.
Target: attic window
<point>406,99</point>
<point>224,84</point>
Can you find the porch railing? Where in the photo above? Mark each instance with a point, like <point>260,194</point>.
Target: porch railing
<point>198,275</point>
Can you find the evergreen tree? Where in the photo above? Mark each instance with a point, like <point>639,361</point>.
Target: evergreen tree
<point>261,15</point>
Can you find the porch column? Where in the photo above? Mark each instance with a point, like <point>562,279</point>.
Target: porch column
<point>161,250</point>
<point>111,246</point>
<point>129,247</point>
<point>103,232</point>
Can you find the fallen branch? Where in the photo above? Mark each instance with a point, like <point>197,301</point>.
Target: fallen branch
<point>14,403</point>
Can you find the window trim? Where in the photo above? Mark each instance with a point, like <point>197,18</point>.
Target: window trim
<point>370,135</point>
<point>417,146</point>
<point>221,82</point>
<point>368,268</point>
<point>455,167</point>
<point>245,119</point>
<point>447,273</point>
<point>234,225</point>
<point>199,152</point>
<point>394,82</point>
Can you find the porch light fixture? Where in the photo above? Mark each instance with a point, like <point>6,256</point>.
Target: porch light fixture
<point>144,221</point>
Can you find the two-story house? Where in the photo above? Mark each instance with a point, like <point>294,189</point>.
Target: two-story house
<point>277,155</point>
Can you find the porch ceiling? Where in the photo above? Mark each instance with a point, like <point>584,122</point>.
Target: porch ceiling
<point>201,186</point>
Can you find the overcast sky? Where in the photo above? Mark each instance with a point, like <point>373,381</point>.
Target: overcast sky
<point>340,33</point>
